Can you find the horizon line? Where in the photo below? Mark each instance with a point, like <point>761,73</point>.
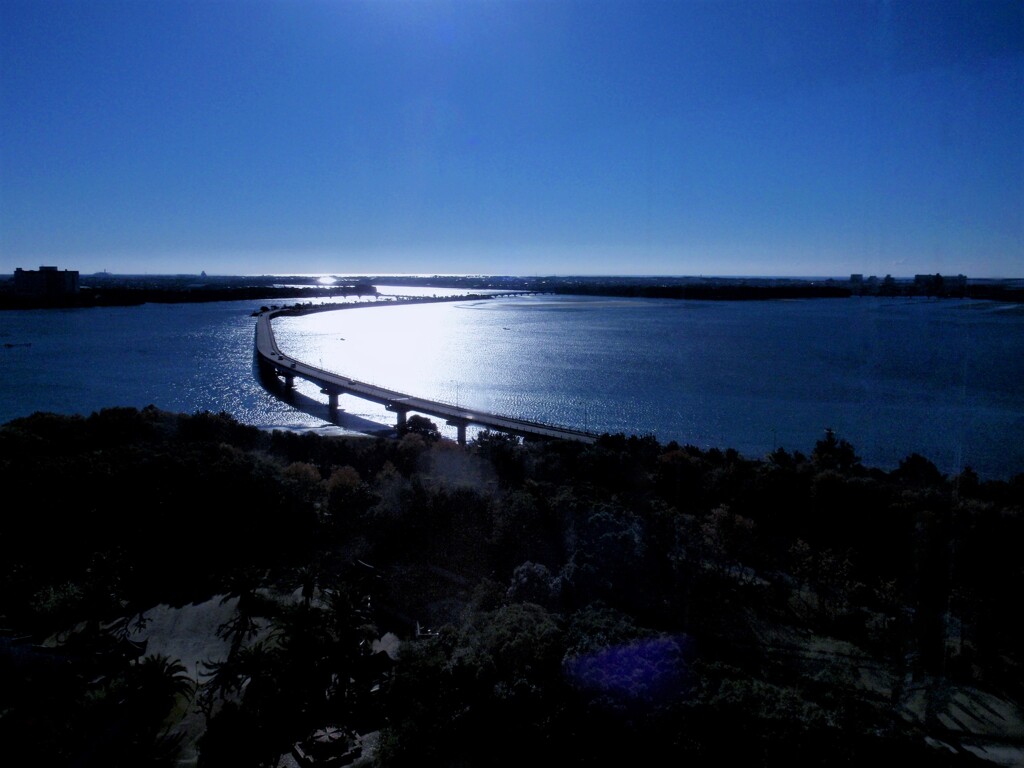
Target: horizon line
<point>537,276</point>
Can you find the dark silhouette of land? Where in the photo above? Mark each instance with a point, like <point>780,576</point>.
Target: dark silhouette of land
<point>113,290</point>
<point>619,603</point>
<point>126,290</point>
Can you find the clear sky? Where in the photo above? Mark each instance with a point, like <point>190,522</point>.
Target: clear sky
<point>554,137</point>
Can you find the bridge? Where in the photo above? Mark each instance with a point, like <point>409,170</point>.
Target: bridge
<point>270,358</point>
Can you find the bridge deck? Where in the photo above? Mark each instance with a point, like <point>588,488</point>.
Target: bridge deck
<point>270,355</point>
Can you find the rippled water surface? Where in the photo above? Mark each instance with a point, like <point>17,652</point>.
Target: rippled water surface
<point>893,376</point>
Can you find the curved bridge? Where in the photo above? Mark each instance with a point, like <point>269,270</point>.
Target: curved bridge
<point>271,359</point>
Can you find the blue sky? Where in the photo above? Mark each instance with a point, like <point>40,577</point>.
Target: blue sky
<point>715,138</point>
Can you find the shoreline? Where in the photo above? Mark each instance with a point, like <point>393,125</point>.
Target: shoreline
<point>133,290</point>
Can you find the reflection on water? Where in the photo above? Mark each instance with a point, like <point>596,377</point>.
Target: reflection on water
<point>893,376</point>
<point>179,357</point>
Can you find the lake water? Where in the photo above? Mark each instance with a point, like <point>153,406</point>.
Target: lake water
<point>892,376</point>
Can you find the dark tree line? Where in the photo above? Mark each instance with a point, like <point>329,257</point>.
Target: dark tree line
<point>601,603</point>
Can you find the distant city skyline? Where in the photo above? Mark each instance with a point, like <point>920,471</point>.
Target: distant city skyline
<point>513,138</point>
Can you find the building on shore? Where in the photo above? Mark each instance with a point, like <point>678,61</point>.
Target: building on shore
<point>940,285</point>
<point>46,281</point>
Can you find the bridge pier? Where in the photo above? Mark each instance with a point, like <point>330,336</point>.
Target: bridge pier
<point>332,402</point>
<point>289,380</point>
<point>460,426</point>
<point>401,414</point>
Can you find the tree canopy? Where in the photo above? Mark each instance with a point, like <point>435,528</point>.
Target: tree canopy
<point>601,603</point>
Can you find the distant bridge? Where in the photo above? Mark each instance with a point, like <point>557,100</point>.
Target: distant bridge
<point>270,358</point>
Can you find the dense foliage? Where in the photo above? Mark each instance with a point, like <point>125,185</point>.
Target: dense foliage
<point>599,604</point>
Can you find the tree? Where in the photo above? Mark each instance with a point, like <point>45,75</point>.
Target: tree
<point>833,453</point>
<point>534,583</point>
<point>505,453</point>
<point>918,471</point>
<point>422,426</point>
<point>160,680</point>
<point>487,693</point>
